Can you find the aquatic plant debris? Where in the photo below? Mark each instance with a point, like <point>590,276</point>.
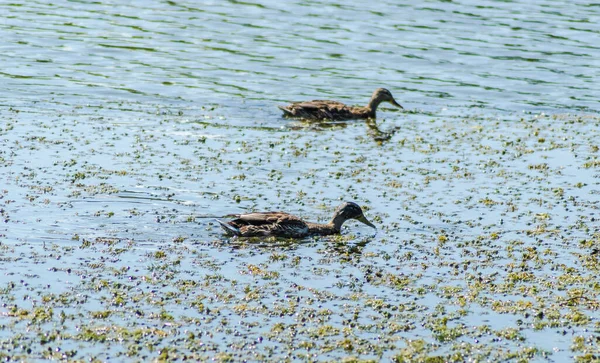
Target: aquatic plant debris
<point>487,243</point>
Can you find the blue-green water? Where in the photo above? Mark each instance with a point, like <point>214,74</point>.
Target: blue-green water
<point>128,127</point>
<point>491,55</point>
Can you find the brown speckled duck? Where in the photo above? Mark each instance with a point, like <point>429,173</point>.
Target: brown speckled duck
<point>333,110</point>
<point>281,224</point>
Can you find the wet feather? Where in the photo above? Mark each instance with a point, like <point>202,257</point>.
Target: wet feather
<point>281,224</point>
<point>334,110</point>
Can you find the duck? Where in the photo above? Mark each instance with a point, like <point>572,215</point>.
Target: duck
<point>281,224</point>
<point>337,111</point>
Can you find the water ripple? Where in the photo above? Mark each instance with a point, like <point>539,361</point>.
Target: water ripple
<point>534,56</point>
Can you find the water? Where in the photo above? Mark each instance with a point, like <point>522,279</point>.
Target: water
<point>500,56</point>
<point>127,128</point>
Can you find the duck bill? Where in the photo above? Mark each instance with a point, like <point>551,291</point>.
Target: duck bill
<point>393,102</point>
<point>365,221</point>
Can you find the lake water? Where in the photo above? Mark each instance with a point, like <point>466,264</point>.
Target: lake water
<point>128,127</point>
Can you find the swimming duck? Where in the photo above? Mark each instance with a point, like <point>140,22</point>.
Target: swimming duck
<point>281,224</point>
<point>333,110</point>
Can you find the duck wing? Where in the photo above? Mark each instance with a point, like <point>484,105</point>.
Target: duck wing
<point>260,218</point>
<point>317,110</point>
<point>321,103</point>
<point>269,224</point>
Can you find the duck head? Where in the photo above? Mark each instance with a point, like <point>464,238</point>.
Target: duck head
<point>349,210</point>
<point>382,95</point>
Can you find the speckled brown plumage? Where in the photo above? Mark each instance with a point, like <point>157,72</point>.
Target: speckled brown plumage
<point>333,110</point>
<point>281,224</point>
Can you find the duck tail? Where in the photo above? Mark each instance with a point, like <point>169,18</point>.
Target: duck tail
<point>229,229</point>
<point>285,110</point>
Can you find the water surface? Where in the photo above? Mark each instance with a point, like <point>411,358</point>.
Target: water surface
<point>127,128</point>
